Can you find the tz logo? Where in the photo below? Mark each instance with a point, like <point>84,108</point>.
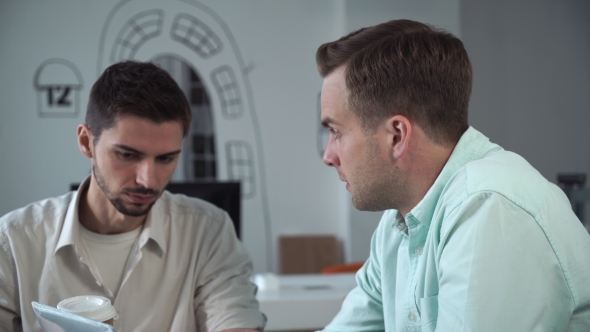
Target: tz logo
<point>58,83</point>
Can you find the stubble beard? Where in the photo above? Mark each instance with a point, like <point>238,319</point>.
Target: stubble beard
<point>118,203</point>
<point>379,184</point>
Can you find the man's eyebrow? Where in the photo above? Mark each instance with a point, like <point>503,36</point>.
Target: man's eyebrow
<point>327,121</point>
<point>170,154</point>
<point>127,148</point>
<point>130,149</point>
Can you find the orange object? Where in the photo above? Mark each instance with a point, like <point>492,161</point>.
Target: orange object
<point>342,268</point>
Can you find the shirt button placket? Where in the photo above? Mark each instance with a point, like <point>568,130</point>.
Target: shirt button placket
<point>414,256</point>
<point>418,251</point>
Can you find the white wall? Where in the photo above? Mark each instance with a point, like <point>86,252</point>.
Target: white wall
<point>278,40</point>
<point>532,79</point>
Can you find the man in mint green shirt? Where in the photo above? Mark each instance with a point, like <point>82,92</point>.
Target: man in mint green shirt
<point>473,238</point>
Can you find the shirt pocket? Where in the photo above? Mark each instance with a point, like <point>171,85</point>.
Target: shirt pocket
<point>429,313</point>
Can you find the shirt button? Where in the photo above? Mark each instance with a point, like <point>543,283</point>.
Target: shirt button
<point>418,251</point>
<point>413,317</point>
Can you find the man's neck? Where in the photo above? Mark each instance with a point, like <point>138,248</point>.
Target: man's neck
<point>97,214</point>
<point>427,164</point>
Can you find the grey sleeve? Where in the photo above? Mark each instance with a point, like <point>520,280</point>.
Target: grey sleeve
<point>225,297</point>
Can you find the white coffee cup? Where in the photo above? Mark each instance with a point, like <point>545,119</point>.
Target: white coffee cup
<point>94,307</point>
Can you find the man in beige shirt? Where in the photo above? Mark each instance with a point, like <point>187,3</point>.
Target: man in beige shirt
<point>167,262</point>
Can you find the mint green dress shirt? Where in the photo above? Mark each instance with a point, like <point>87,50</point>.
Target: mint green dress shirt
<point>492,246</point>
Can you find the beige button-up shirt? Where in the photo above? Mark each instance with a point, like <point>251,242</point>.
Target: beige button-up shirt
<point>186,272</point>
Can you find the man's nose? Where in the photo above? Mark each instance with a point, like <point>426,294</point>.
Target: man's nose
<point>146,174</point>
<point>329,157</point>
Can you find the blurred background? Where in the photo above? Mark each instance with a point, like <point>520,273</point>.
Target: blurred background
<point>248,69</point>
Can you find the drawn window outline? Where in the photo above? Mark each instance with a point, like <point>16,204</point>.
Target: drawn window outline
<point>196,35</point>
<point>240,166</point>
<point>135,32</point>
<point>228,91</point>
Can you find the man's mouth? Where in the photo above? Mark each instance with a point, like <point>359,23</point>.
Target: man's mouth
<point>141,195</point>
<point>348,187</point>
<point>140,199</point>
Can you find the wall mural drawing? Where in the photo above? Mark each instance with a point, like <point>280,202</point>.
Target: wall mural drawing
<point>58,83</point>
<point>195,46</point>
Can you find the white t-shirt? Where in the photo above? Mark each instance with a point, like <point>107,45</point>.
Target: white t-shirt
<point>109,254</point>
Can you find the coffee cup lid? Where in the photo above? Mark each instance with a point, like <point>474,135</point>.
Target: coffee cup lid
<point>90,306</point>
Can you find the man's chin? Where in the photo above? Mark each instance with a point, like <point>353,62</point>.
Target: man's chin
<point>135,212</point>
<point>133,209</point>
<point>365,204</point>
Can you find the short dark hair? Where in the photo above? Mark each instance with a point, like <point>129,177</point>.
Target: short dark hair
<point>135,88</point>
<point>407,68</point>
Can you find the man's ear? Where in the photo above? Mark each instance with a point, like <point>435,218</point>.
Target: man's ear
<point>399,130</point>
<point>85,140</point>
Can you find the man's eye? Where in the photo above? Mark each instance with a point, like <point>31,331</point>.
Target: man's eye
<point>166,159</point>
<point>334,132</point>
<point>126,155</point>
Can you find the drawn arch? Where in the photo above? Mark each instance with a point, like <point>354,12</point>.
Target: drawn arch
<point>150,29</point>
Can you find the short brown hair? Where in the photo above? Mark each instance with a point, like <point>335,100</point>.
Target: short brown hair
<point>135,88</point>
<point>407,68</point>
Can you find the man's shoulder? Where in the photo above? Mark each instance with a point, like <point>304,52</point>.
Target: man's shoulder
<point>180,204</point>
<point>39,211</point>
<point>504,173</point>
<point>189,216</point>
<point>35,217</point>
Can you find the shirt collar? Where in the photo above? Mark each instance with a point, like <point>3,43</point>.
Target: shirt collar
<point>471,146</point>
<point>157,223</point>
<point>154,227</point>
<point>70,231</point>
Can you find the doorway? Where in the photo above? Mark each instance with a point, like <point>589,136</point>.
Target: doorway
<point>198,159</point>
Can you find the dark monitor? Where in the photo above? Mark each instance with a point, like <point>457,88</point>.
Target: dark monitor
<point>225,195</point>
